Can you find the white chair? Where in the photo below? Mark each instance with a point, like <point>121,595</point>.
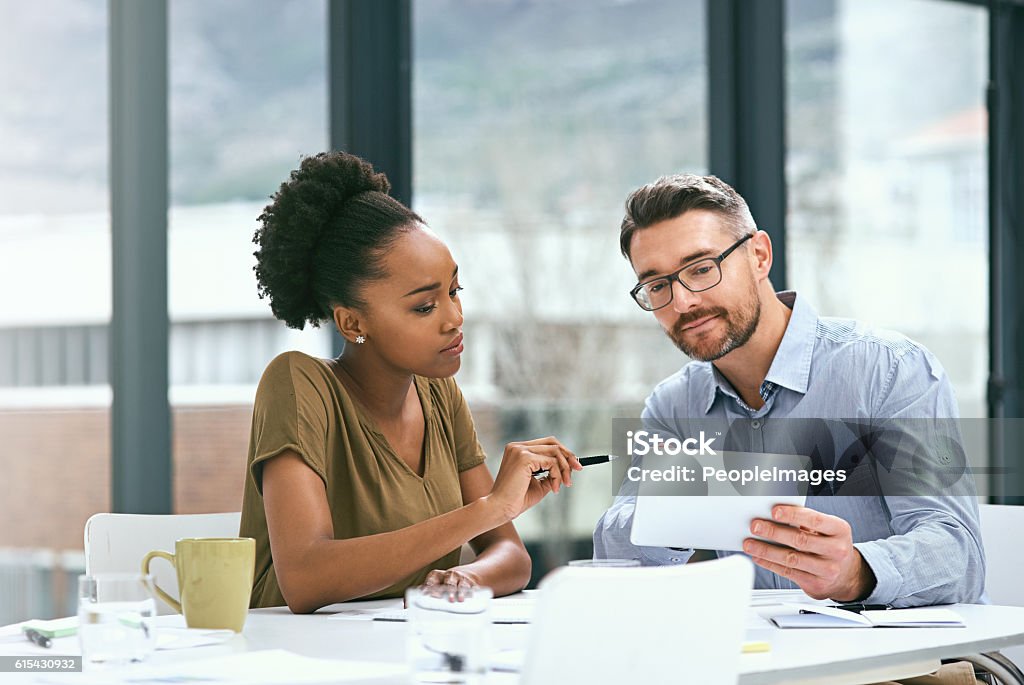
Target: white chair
<point>647,625</point>
<point>1001,526</point>
<point>116,543</point>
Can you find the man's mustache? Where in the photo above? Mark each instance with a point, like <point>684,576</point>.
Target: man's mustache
<point>685,320</point>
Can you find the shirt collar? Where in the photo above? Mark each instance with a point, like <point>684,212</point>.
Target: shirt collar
<point>718,384</point>
<point>791,367</point>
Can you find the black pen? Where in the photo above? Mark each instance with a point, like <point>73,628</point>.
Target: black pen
<point>856,607</point>
<point>584,461</point>
<point>38,638</point>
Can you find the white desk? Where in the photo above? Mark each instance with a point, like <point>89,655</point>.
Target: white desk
<point>796,656</point>
<point>872,654</point>
<point>834,656</point>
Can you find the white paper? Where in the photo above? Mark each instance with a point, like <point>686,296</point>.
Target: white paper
<point>508,660</point>
<point>187,638</point>
<point>920,618</point>
<point>274,666</point>
<point>12,633</point>
<point>841,614</point>
<point>361,614</point>
<point>499,614</point>
<point>771,597</point>
<point>927,617</point>
<point>269,667</point>
<point>516,609</point>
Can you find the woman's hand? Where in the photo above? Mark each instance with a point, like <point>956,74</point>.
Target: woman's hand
<point>451,584</point>
<point>457,577</point>
<point>515,489</point>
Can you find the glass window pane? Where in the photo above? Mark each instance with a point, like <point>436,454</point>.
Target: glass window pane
<point>55,273</point>
<point>248,98</point>
<point>532,121</point>
<point>887,172</point>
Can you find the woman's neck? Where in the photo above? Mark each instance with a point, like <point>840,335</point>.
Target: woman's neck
<point>381,390</point>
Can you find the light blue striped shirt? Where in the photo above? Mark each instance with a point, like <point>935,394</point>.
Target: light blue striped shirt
<point>923,548</point>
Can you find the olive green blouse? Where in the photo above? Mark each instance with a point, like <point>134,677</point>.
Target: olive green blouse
<point>302,406</point>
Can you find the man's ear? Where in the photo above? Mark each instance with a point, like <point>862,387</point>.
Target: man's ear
<point>761,251</point>
<point>349,323</point>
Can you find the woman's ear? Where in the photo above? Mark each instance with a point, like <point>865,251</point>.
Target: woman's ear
<point>349,323</point>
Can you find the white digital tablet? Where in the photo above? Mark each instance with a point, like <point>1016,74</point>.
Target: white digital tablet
<point>714,507</point>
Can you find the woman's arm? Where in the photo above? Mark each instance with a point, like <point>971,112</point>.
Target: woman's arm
<point>314,570</point>
<point>502,562</point>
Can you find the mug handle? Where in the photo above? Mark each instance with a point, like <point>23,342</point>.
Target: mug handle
<point>173,603</point>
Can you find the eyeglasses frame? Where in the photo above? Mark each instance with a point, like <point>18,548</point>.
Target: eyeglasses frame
<point>674,276</point>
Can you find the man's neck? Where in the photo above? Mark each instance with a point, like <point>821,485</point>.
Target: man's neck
<point>747,367</point>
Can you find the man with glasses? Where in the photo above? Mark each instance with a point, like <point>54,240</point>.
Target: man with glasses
<point>702,269</point>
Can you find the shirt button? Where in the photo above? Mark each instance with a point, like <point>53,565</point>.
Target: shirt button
<point>755,424</point>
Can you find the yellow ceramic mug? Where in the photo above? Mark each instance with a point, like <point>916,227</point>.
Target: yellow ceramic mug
<point>214,580</point>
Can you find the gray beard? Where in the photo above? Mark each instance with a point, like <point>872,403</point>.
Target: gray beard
<point>737,334</point>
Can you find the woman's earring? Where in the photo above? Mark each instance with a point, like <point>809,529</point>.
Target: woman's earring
<point>360,340</point>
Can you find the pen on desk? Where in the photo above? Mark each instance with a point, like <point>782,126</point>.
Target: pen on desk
<point>584,461</point>
<point>38,638</point>
<point>856,607</point>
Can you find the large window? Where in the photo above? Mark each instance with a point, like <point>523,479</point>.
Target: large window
<point>55,276</point>
<point>887,172</point>
<point>532,121</point>
<point>248,98</point>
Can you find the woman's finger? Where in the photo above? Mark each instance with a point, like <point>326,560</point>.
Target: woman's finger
<point>566,469</point>
<point>573,460</point>
<point>554,469</point>
<point>552,441</point>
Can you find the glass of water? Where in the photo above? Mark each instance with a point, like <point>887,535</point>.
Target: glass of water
<point>115,617</point>
<point>449,633</point>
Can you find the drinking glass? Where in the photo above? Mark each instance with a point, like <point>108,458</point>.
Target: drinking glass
<point>448,633</point>
<point>115,618</point>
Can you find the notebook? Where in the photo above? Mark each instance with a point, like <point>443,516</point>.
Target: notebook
<point>828,617</point>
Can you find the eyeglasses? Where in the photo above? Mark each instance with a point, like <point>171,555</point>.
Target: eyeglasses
<point>696,277</point>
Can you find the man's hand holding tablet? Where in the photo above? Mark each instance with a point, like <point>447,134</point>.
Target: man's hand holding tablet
<point>818,553</point>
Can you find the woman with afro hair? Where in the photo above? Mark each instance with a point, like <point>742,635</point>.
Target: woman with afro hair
<point>365,476</point>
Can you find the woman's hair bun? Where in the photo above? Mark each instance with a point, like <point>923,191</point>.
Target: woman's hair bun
<point>322,207</point>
